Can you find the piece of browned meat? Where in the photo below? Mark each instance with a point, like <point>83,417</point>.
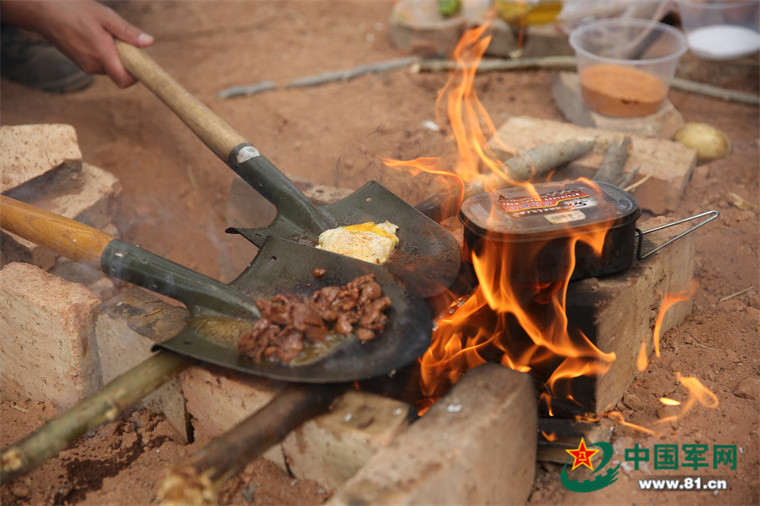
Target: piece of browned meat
<point>358,307</point>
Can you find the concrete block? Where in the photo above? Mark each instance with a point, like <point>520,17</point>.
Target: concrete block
<point>617,313</point>
<point>47,351</point>
<point>333,447</point>
<point>30,151</point>
<point>566,89</point>
<point>125,329</point>
<point>477,445</point>
<point>90,196</point>
<point>218,400</point>
<point>669,163</point>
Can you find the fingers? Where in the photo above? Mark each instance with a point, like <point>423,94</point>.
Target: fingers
<point>118,27</point>
<point>113,67</point>
<point>123,30</point>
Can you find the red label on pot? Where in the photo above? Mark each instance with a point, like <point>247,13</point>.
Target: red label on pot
<point>529,205</point>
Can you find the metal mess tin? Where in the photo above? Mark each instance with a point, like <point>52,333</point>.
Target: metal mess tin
<point>534,227</point>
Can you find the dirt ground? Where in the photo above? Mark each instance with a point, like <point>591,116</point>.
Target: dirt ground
<point>175,204</point>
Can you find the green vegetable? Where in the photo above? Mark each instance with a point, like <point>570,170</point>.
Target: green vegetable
<point>449,7</point>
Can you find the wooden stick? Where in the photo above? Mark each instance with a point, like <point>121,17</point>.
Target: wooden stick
<point>715,92</point>
<point>244,91</point>
<point>632,187</point>
<point>345,75</point>
<point>568,62</point>
<point>198,480</point>
<point>626,182</point>
<point>611,168</point>
<point>498,64</point>
<point>728,297</point>
<point>531,164</point>
<point>326,77</point>
<point>740,202</point>
<point>60,432</point>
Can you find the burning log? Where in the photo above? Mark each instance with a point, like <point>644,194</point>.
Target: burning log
<point>103,406</point>
<point>531,164</point>
<point>198,480</point>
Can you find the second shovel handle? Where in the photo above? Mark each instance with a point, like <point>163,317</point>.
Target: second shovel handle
<point>63,236</point>
<point>215,133</point>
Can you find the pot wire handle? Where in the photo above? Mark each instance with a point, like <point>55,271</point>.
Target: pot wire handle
<point>640,234</point>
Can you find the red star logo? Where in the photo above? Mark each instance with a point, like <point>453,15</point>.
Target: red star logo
<point>582,456</point>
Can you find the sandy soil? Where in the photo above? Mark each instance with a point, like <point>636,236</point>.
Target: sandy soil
<point>175,203</point>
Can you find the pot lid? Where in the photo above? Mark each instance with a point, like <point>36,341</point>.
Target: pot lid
<point>548,209</point>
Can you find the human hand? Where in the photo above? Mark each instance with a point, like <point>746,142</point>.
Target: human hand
<point>83,30</point>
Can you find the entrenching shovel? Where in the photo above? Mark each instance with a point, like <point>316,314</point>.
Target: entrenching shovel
<point>280,267</point>
<point>427,257</point>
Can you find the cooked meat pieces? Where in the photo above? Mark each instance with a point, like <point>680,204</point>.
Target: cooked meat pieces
<point>256,341</point>
<point>365,335</point>
<point>290,345</point>
<point>373,317</point>
<point>286,321</point>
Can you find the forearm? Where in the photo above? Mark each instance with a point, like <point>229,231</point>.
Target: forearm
<point>21,13</point>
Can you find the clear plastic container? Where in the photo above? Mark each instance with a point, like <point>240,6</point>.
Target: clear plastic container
<point>721,30</point>
<point>626,65</point>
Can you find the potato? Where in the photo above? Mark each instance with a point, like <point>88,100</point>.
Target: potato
<point>710,142</point>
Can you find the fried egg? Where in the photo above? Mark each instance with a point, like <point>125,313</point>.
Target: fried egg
<point>366,241</point>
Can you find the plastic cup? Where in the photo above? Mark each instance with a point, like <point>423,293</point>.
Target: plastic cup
<point>721,30</point>
<point>626,65</point>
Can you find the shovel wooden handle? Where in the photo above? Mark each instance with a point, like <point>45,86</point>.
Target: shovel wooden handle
<point>215,133</point>
<point>223,140</point>
<point>63,236</point>
<point>120,259</point>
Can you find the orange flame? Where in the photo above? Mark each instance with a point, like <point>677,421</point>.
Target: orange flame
<point>547,399</point>
<point>643,360</point>
<point>549,436</point>
<point>668,301</point>
<point>669,402</point>
<point>522,326</point>
<point>618,417</point>
<point>470,123</point>
<point>698,394</point>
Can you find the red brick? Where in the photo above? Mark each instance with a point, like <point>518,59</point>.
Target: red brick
<point>47,352</point>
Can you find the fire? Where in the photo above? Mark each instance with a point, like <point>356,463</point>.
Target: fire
<point>523,326</point>
<point>618,417</point>
<point>470,123</point>
<point>549,436</point>
<point>668,301</point>
<point>698,394</point>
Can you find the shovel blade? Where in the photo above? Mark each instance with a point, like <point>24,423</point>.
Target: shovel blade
<point>427,258</point>
<point>285,267</point>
